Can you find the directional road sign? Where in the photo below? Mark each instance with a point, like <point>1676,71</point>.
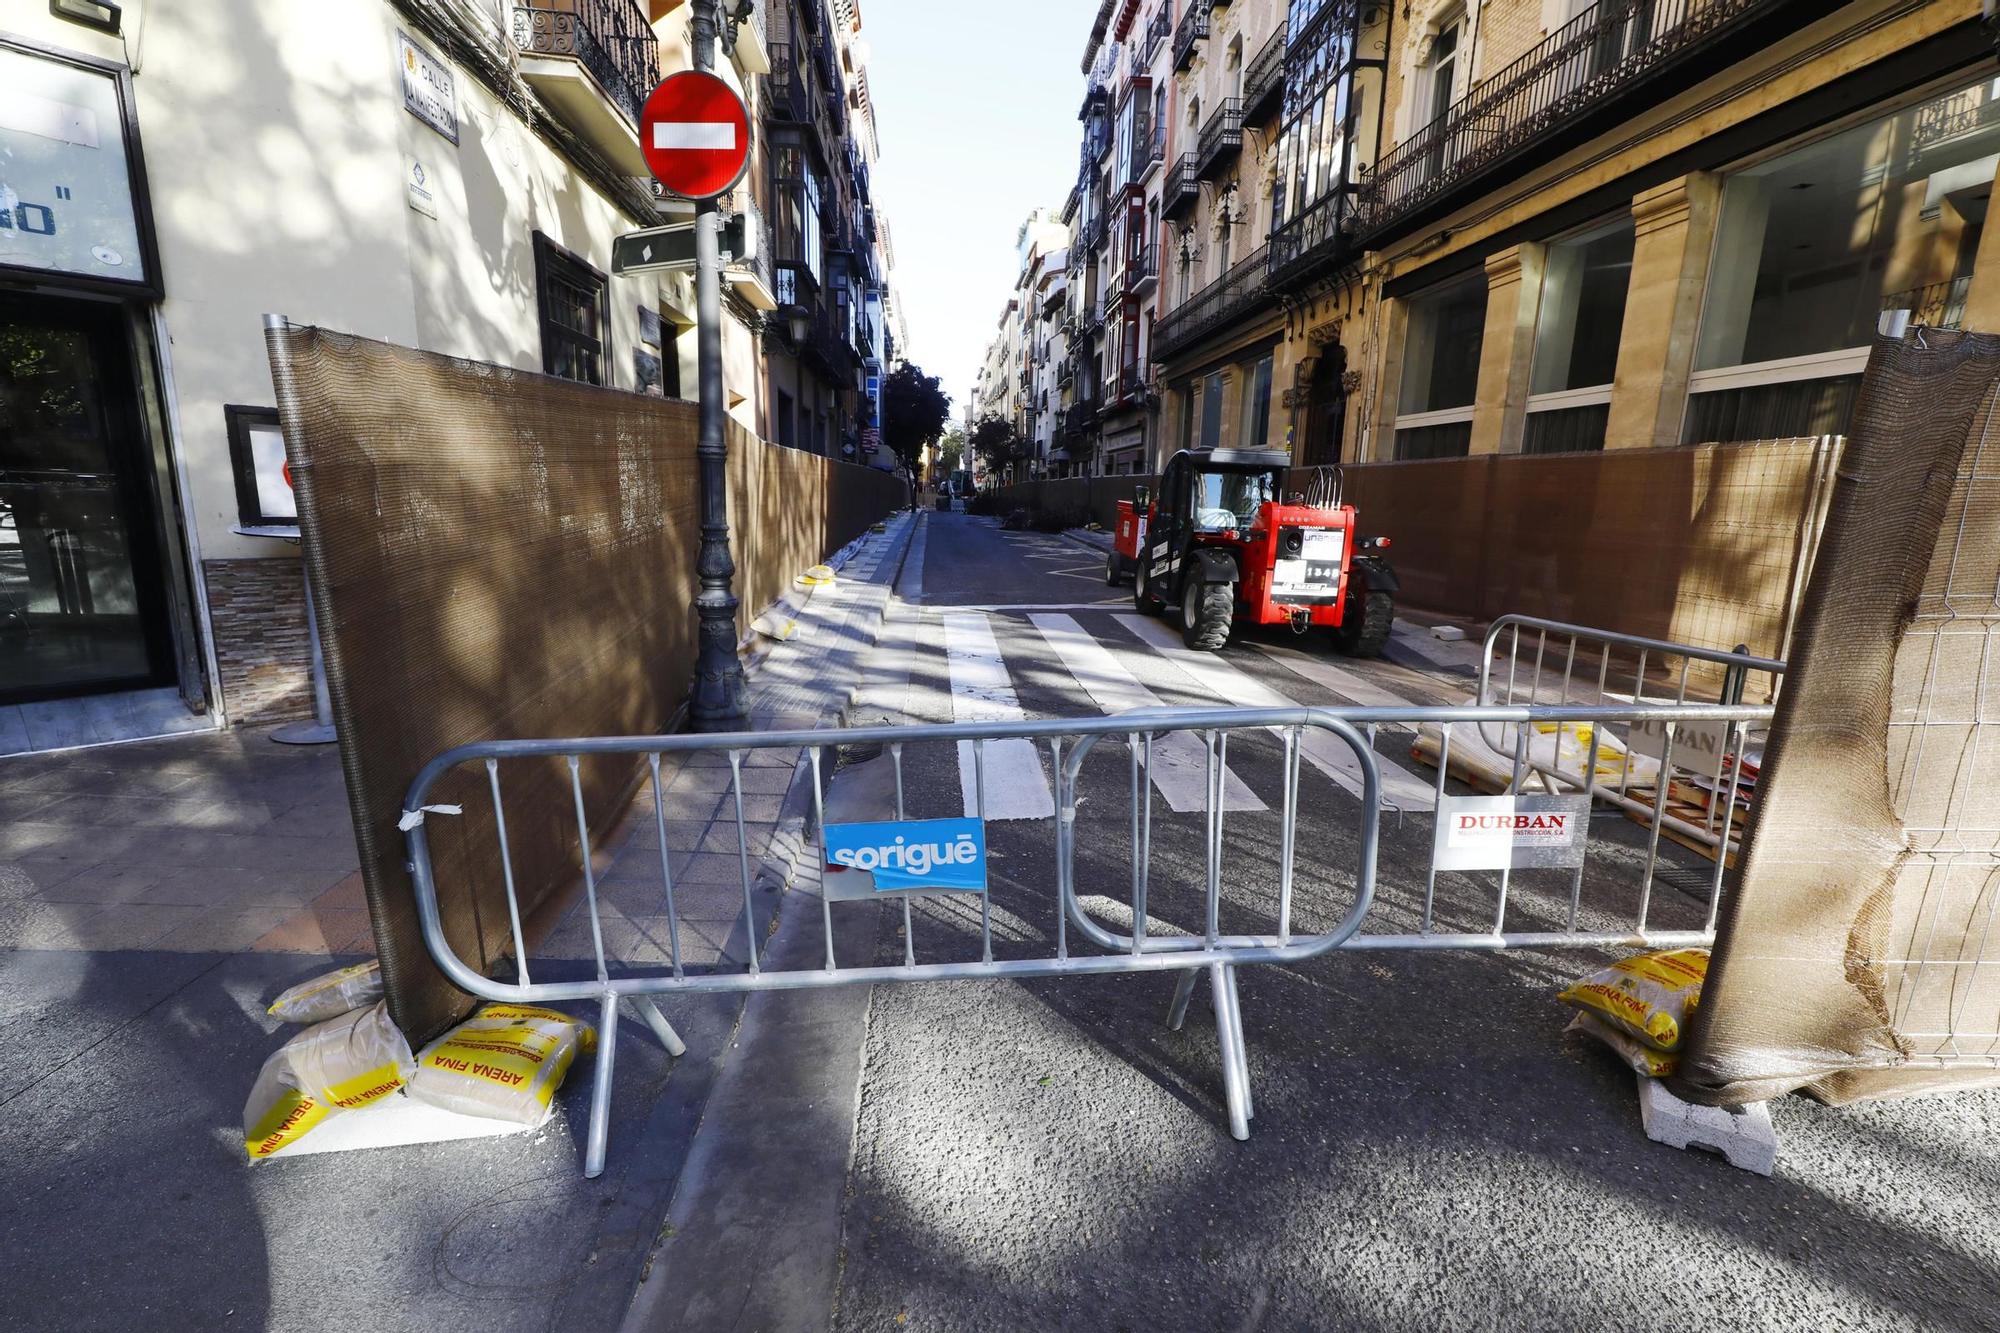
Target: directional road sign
<point>695,133</point>
<point>672,246</point>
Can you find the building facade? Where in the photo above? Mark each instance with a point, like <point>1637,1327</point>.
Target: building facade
<point>444,174</point>
<point>1524,226</point>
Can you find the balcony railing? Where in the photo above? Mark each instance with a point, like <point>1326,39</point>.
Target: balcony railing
<point>1154,150</point>
<point>1193,29</point>
<point>1183,188</point>
<point>1080,417</point>
<point>1600,53</point>
<point>1244,286</point>
<point>787,96</point>
<point>1221,139</point>
<point>1157,33</point>
<point>1961,113</point>
<point>1089,320</point>
<point>1938,305</point>
<point>1127,387</point>
<point>1264,80</point>
<point>609,38</point>
<point>1091,234</point>
<point>1142,271</point>
<point>1323,234</point>
<point>1114,287</point>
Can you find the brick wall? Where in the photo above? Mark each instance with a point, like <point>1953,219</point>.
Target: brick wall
<point>261,644</point>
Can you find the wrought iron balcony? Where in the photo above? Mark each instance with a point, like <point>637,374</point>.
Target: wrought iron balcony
<point>1221,139</point>
<point>1938,305</point>
<point>1065,372</point>
<point>1613,61</point>
<point>1153,151</point>
<point>1322,237</point>
<point>1142,271</point>
<point>1961,113</point>
<point>1183,188</point>
<point>1127,387</point>
<point>1157,33</point>
<point>1264,80</point>
<point>787,93</point>
<point>1192,31</point>
<point>1244,288</point>
<point>612,45</point>
<point>1080,417</point>
<point>1089,320</point>
<point>1091,234</point>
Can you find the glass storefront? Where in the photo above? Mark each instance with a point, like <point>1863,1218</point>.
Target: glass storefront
<point>82,605</point>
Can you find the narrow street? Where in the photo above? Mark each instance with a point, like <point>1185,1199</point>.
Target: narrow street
<point>1049,1154</point>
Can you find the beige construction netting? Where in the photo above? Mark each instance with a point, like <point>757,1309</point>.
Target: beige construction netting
<point>497,554</point>
<point>1858,955</point>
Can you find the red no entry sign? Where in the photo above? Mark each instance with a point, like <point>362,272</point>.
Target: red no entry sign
<point>695,132</point>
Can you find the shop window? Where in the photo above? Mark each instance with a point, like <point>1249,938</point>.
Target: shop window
<point>1441,370</point>
<point>1257,405</point>
<point>572,313</point>
<point>1816,245</point>
<point>1582,312</point>
<point>1211,412</point>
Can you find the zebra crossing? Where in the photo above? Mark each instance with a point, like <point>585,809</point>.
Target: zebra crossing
<point>1076,660</point>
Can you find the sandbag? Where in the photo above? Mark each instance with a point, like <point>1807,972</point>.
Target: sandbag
<point>504,1063</point>
<point>1649,996</point>
<point>331,995</point>
<point>1637,1055</point>
<point>344,1064</point>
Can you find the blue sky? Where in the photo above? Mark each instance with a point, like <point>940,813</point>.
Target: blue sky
<point>975,107</point>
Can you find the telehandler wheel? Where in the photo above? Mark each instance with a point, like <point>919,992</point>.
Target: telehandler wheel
<point>1205,612</point>
<point>1364,630</point>
<point>1114,572</point>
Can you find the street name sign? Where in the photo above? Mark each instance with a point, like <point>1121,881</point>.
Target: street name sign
<point>672,246</point>
<point>695,133</point>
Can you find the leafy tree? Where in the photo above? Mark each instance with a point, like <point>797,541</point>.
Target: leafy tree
<point>914,412</point>
<point>994,440</point>
<point>951,453</point>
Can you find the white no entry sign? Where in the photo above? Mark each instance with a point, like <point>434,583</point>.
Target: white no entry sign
<point>695,133</point>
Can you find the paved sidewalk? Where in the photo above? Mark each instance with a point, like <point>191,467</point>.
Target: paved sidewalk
<point>153,899</point>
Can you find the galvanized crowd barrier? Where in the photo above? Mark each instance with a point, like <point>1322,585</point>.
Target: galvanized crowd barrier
<point>1150,943</point>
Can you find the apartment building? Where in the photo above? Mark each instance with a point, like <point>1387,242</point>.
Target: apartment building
<point>445,174</point>
<point>1220,344</point>
<point>1384,232</point>
<point>827,343</point>
<point>1112,413</point>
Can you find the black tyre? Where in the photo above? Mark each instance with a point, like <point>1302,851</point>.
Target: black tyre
<point>1114,570</point>
<point>1364,630</point>
<point>1142,595</point>
<point>1206,609</point>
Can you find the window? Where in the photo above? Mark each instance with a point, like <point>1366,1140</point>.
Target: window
<point>1211,412</point>
<point>796,221</point>
<point>1444,63</point>
<point>1582,314</point>
<point>571,298</point>
<point>1441,370</point>
<point>1814,246</point>
<point>1226,501</point>
<point>1257,405</point>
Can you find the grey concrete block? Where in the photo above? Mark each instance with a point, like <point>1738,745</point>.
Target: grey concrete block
<point>1447,633</point>
<point>1743,1135</point>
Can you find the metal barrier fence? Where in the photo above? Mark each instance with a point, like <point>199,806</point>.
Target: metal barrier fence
<point>1154,941</point>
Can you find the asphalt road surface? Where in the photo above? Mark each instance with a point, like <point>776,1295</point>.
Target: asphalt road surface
<point>1429,1151</point>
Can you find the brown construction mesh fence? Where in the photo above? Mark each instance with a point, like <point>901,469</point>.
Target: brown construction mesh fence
<point>494,553</point>
<point>1858,955</point>
<point>1708,544</point>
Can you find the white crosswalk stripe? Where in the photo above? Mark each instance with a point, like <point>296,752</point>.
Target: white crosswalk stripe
<point>1350,685</point>
<point>1401,788</point>
<point>1180,761</point>
<point>1015,785</point>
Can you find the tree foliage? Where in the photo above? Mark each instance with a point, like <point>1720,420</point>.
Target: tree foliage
<point>915,409</point>
<point>994,440</point>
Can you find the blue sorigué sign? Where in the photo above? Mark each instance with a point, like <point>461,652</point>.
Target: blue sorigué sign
<point>928,855</point>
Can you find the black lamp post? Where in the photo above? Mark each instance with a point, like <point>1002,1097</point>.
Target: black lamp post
<point>720,700</point>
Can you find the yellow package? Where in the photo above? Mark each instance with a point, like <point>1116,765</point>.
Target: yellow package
<point>344,1064</point>
<point>1642,1058</point>
<point>1650,996</point>
<point>504,1063</point>
<point>331,995</point>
